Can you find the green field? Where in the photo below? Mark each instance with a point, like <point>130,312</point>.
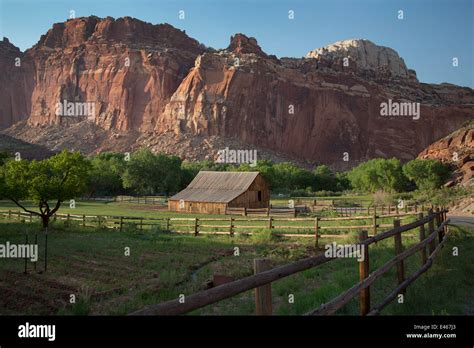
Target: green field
<point>152,211</point>
<point>91,264</point>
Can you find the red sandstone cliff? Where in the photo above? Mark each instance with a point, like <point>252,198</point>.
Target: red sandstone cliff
<point>314,109</point>
<point>456,149</point>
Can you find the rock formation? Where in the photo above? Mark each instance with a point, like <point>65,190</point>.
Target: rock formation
<point>456,149</point>
<point>154,80</point>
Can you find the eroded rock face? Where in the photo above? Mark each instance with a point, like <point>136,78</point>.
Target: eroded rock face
<point>127,68</point>
<point>456,149</point>
<point>155,80</point>
<point>317,114</point>
<point>362,56</point>
<point>16,84</point>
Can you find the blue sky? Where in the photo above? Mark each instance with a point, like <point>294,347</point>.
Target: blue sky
<point>430,35</point>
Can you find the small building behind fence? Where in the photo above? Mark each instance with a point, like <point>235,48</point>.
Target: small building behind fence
<point>214,192</point>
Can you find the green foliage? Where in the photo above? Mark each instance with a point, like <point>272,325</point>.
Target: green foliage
<point>378,175</point>
<point>106,175</point>
<point>150,174</point>
<point>58,178</point>
<point>287,175</point>
<point>4,156</point>
<point>428,174</point>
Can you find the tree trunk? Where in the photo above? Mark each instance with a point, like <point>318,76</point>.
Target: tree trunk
<point>45,220</point>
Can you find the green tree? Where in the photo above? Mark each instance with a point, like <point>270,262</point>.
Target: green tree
<point>428,174</point>
<point>324,179</point>
<point>151,174</point>
<point>47,183</point>
<point>378,175</point>
<point>106,174</point>
<point>287,175</point>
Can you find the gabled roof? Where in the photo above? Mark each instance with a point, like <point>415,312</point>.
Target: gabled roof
<point>216,187</point>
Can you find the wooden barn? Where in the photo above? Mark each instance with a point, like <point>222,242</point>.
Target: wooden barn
<point>212,192</point>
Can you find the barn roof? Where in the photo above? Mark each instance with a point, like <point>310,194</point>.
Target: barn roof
<point>216,187</point>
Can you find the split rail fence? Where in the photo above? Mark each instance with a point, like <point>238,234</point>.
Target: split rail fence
<point>316,227</point>
<point>431,240</point>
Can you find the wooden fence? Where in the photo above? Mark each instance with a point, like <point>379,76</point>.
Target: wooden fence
<point>156,200</point>
<point>274,211</point>
<point>381,209</point>
<point>263,277</point>
<point>284,227</point>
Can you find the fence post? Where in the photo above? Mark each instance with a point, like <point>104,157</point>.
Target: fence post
<point>19,215</point>
<point>396,209</point>
<point>422,238</point>
<point>141,224</point>
<point>374,222</point>
<point>196,227</point>
<point>83,220</point>
<point>431,230</point>
<point>439,220</point>
<point>316,231</point>
<point>121,223</point>
<point>231,230</point>
<point>98,221</point>
<point>416,208</point>
<point>245,211</point>
<point>167,224</point>
<point>399,250</point>
<point>263,294</point>
<point>270,223</point>
<point>364,295</point>
<point>9,214</point>
<point>445,217</point>
<point>382,209</point>
<point>67,219</point>
<point>406,208</point>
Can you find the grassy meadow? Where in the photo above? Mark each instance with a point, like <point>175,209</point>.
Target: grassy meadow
<point>91,263</point>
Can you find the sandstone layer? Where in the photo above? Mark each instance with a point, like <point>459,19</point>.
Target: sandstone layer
<point>457,150</point>
<point>150,80</point>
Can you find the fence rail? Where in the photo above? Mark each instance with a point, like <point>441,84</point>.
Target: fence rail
<point>261,281</point>
<point>157,200</point>
<point>306,227</point>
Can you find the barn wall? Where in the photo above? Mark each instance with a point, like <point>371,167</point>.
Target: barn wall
<point>249,199</point>
<point>198,207</point>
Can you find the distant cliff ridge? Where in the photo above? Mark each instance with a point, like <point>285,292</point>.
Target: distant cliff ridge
<point>151,81</point>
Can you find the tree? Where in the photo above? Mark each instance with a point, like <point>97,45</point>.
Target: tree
<point>428,174</point>
<point>287,175</point>
<point>324,179</point>
<point>106,174</point>
<point>378,175</point>
<point>47,182</point>
<point>151,174</point>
